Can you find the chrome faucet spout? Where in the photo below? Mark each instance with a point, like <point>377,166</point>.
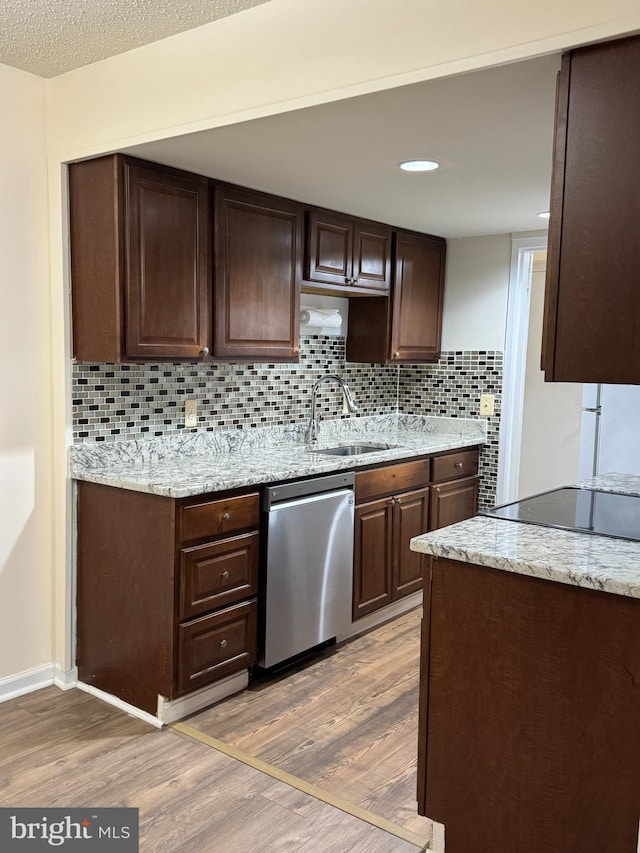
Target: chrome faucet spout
<point>313,428</point>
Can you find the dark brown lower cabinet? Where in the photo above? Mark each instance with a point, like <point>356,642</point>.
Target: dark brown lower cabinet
<point>373,544</point>
<point>385,569</point>
<point>453,501</point>
<point>529,710</point>
<point>394,503</point>
<point>166,591</point>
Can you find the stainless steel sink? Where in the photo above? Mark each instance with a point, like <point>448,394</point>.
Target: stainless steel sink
<point>352,449</point>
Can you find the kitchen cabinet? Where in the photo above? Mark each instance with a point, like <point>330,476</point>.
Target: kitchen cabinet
<point>406,327</point>
<point>392,506</point>
<point>529,708</point>
<point>167,591</point>
<point>140,268</point>
<point>454,495</point>
<point>345,255</point>
<point>396,502</point>
<point>257,257</point>
<point>592,299</point>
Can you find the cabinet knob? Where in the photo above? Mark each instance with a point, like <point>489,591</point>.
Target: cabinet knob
<point>204,351</point>
<point>225,575</point>
<point>458,465</point>
<point>437,490</point>
<point>396,355</point>
<point>226,516</point>
<point>348,280</point>
<point>223,644</point>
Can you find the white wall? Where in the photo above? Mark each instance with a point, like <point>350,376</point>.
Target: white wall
<point>552,410</point>
<point>26,524</point>
<point>475,294</point>
<point>282,55</point>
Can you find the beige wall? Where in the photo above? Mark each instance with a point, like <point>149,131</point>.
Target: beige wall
<point>26,526</point>
<point>282,55</point>
<point>551,413</point>
<point>476,291</point>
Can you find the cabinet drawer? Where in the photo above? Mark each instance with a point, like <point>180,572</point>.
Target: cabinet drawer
<point>218,574</point>
<point>391,479</point>
<point>453,465</point>
<point>217,645</point>
<point>213,518</point>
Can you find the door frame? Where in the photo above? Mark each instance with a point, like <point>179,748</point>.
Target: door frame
<point>515,361</point>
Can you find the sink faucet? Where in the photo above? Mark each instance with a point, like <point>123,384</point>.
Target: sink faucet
<point>311,434</point>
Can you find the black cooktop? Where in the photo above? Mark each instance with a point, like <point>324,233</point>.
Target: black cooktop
<point>572,508</point>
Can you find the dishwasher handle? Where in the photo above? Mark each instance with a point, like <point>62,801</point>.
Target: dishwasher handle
<point>302,488</point>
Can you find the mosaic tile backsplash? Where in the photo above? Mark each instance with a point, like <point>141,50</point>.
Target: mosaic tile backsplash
<point>116,402</point>
<point>452,387</point>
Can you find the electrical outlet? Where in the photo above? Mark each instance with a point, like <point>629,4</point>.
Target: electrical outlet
<point>487,404</point>
<point>191,413</point>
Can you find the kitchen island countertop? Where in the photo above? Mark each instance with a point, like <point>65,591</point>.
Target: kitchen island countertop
<point>198,463</point>
<point>579,559</point>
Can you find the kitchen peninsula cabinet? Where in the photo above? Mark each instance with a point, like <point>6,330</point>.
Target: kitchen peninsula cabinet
<point>345,255</point>
<point>166,591</point>
<point>529,709</point>
<point>592,299</point>
<point>258,267</point>
<point>140,268</point>
<point>407,326</point>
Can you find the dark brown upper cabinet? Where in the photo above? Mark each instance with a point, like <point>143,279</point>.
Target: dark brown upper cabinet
<point>592,300</point>
<point>257,252</point>
<point>140,266</point>
<point>346,256</point>
<point>406,327</point>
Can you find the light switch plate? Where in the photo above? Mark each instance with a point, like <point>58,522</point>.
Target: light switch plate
<point>191,413</point>
<point>487,404</point>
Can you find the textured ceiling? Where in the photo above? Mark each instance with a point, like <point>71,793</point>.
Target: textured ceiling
<point>48,37</point>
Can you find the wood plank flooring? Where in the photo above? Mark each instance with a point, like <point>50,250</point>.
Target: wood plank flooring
<point>347,722</point>
<point>72,750</point>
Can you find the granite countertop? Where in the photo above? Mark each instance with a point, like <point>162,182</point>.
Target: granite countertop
<point>197,463</point>
<point>579,559</point>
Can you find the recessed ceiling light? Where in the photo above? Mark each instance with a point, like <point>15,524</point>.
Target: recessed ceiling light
<point>544,214</point>
<point>419,165</point>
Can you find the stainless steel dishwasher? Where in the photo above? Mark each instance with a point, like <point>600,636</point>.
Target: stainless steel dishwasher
<point>309,564</point>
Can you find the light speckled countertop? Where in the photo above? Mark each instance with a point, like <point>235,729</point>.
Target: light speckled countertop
<point>197,463</point>
<point>579,559</point>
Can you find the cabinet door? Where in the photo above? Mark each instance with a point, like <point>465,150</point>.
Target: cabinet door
<point>592,299</point>
<point>372,584</point>
<point>452,502</point>
<point>257,275</point>
<point>167,263</point>
<point>416,316</point>
<point>329,248</point>
<point>410,518</point>
<point>372,256</point>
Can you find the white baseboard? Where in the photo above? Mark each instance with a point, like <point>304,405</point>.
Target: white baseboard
<point>29,680</point>
<point>170,712</point>
<point>122,706</point>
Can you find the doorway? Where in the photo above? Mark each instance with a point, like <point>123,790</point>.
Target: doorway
<point>540,428</point>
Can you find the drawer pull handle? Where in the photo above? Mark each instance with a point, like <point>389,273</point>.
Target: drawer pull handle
<point>223,644</point>
<point>458,465</point>
<point>225,575</point>
<point>226,516</point>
